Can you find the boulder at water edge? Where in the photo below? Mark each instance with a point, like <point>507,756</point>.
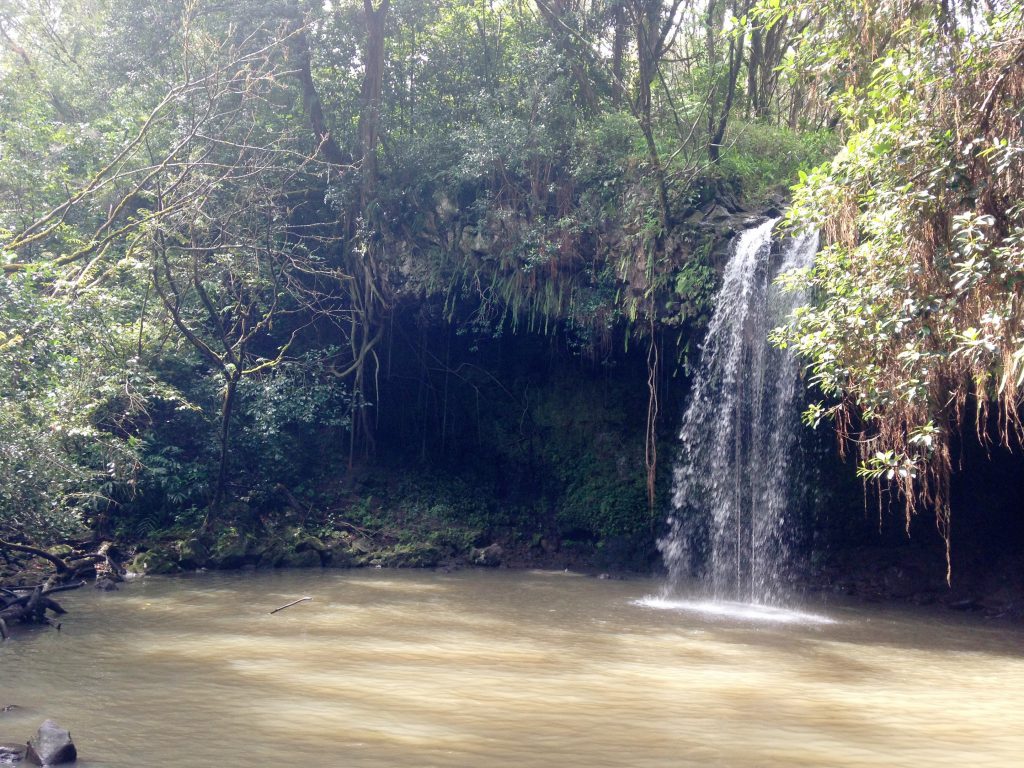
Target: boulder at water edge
<point>488,556</point>
<point>52,745</point>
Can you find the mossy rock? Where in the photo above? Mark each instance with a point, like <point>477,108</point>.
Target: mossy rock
<point>61,550</point>
<point>361,546</point>
<point>283,553</point>
<point>154,561</point>
<point>307,558</point>
<point>489,556</point>
<point>453,542</point>
<point>306,542</point>
<point>339,554</point>
<point>234,550</point>
<point>192,553</point>
<point>273,554</point>
<point>409,556</point>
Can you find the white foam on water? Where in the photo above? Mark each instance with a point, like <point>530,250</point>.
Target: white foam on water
<point>730,610</point>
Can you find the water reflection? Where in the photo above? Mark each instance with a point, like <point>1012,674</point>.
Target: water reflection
<point>421,669</point>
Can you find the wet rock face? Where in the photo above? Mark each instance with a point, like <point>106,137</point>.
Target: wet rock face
<point>11,753</point>
<point>52,745</point>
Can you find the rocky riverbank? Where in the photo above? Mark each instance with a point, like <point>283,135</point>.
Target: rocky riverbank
<point>916,574</point>
<point>296,548</point>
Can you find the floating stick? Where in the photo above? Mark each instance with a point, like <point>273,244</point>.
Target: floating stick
<point>289,605</point>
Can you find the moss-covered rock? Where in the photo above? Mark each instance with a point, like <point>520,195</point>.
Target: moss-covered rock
<point>154,561</point>
<point>489,556</point>
<point>360,546</point>
<point>193,553</point>
<point>414,555</point>
<point>307,542</point>
<point>307,558</point>
<point>294,550</point>
<point>234,550</point>
<point>338,553</point>
<point>273,553</point>
<point>453,542</point>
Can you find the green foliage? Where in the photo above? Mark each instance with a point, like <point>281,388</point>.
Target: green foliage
<point>695,288</point>
<point>60,452</point>
<point>289,419</point>
<point>918,320</point>
<point>607,149</point>
<point>763,160</point>
<point>211,213</point>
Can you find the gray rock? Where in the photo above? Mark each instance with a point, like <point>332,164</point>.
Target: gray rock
<point>488,556</point>
<point>718,214</point>
<point>106,584</point>
<point>52,745</point>
<point>11,753</point>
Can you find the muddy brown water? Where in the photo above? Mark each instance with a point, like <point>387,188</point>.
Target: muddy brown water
<point>483,668</point>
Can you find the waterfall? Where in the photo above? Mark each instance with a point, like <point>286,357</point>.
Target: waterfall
<point>731,502</point>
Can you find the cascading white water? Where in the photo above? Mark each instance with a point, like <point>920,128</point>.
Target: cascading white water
<point>732,512</point>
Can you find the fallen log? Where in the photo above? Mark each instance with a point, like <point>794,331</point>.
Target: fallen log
<point>59,564</point>
<point>48,590</point>
<point>31,607</point>
<point>30,604</point>
<point>74,565</point>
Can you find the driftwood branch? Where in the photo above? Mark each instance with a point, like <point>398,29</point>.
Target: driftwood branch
<point>30,604</point>
<point>32,595</point>
<point>63,588</point>
<point>59,564</point>
<point>289,605</point>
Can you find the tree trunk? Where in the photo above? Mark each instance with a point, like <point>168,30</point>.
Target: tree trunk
<point>327,145</point>
<point>717,123</point>
<point>559,18</point>
<point>227,408</point>
<point>368,289</point>
<point>373,87</point>
<point>648,45</point>
<point>618,52</point>
<point>755,107</point>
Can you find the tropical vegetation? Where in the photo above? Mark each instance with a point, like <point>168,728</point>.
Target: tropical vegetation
<point>422,265</point>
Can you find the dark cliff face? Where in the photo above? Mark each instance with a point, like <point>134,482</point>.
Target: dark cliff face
<point>547,437</point>
<point>988,513</point>
<point>550,431</point>
<point>864,545</point>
